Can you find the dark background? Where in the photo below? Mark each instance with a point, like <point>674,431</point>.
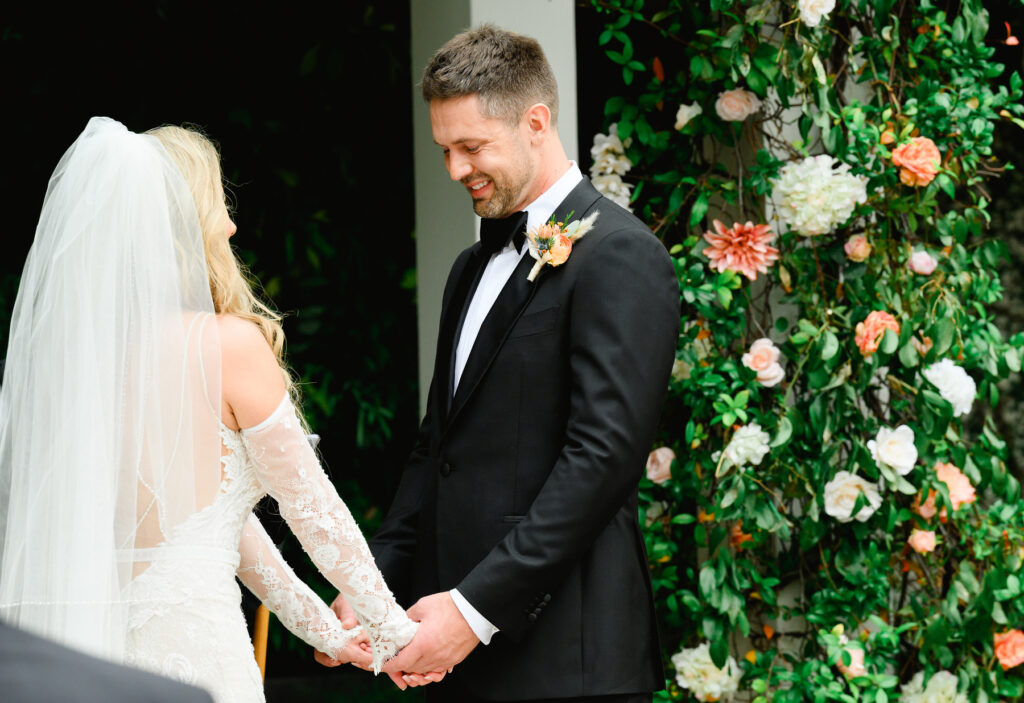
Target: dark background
<point>312,111</point>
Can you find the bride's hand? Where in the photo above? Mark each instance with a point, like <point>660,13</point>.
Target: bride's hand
<point>356,652</point>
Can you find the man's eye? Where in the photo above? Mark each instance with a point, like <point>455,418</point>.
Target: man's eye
<point>473,149</point>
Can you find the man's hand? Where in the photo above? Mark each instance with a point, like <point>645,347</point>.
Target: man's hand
<point>443,639</point>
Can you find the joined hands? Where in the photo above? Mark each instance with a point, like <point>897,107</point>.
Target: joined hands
<point>443,640</point>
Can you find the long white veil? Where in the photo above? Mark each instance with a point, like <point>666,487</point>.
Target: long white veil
<point>109,405</point>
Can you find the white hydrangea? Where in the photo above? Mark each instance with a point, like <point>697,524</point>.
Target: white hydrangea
<point>610,165</point>
<point>697,673</point>
<point>954,384</point>
<point>749,445</point>
<point>614,188</point>
<point>941,689</point>
<point>817,194</point>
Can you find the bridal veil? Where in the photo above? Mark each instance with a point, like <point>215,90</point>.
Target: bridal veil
<point>109,405</point>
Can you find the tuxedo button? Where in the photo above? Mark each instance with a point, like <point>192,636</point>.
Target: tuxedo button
<point>547,597</point>
<point>532,617</point>
<point>446,469</point>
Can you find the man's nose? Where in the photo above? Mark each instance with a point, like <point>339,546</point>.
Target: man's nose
<point>458,167</point>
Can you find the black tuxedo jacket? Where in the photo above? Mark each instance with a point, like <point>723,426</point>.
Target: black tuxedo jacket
<point>522,490</point>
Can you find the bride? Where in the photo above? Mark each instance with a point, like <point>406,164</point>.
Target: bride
<point>145,410</point>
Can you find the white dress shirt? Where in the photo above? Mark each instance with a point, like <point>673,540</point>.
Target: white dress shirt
<point>496,274</point>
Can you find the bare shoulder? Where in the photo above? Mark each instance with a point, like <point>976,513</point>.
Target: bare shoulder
<point>238,335</point>
<point>253,384</point>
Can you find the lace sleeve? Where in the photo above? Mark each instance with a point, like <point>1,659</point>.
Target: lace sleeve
<point>290,472</point>
<point>268,576</point>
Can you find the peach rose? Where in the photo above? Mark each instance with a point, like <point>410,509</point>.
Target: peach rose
<point>763,358</point>
<point>869,333</point>
<point>857,248</point>
<point>961,492</point>
<point>919,161</point>
<point>736,105</point>
<point>561,247</point>
<point>659,464</point>
<point>922,345</point>
<point>856,667</point>
<point>922,541</point>
<point>1009,648</point>
<point>922,263</point>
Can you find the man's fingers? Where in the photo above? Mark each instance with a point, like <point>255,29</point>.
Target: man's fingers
<point>397,678</point>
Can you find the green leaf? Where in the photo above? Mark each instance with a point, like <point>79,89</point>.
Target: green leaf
<point>942,336</point>
<point>829,345</point>
<point>909,356</point>
<point>784,432</point>
<point>700,208</point>
<point>890,340</point>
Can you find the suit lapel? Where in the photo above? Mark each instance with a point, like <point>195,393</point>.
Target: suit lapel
<point>511,302</point>
<point>451,326</point>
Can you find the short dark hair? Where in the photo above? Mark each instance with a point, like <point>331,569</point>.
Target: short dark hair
<point>508,72</point>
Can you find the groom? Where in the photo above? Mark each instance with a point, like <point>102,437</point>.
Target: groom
<point>515,523</point>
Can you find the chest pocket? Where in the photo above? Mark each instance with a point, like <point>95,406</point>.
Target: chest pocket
<point>535,323</point>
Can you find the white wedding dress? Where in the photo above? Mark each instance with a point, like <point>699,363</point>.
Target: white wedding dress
<point>185,617</point>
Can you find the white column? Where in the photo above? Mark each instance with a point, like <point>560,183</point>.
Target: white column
<point>445,223</point>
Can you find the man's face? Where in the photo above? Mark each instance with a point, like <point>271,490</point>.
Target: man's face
<point>485,154</point>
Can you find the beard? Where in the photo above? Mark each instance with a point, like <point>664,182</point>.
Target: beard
<point>508,190</point>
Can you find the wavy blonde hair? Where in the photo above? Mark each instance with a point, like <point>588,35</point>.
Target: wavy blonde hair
<point>230,283</point>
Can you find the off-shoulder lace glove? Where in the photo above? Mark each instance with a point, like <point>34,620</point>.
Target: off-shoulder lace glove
<point>289,471</point>
<point>268,576</point>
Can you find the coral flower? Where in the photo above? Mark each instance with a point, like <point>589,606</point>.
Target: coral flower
<point>737,537</point>
<point>1009,648</point>
<point>869,333</point>
<point>743,248</point>
<point>918,160</point>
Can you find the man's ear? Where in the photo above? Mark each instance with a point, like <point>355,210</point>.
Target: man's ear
<point>537,119</point>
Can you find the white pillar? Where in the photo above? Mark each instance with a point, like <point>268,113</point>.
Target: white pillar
<point>445,223</point>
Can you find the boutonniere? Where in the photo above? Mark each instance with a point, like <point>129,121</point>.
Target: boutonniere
<point>551,243</point>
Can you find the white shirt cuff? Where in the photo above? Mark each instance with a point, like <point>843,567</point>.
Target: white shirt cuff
<point>481,626</point>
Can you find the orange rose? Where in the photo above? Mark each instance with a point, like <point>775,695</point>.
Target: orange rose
<point>561,247</point>
<point>737,537</point>
<point>1009,648</point>
<point>869,332</point>
<point>918,160</point>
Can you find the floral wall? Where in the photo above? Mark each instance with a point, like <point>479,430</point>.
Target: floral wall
<point>830,511</point>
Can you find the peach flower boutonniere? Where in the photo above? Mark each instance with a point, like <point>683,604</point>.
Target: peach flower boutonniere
<point>551,243</point>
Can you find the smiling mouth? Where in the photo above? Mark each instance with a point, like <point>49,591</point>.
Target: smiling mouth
<point>477,186</point>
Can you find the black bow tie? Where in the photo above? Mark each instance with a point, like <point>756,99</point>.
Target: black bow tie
<point>496,234</point>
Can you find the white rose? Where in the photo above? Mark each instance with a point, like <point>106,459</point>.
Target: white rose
<point>817,194</point>
<point>841,495</point>
<point>954,385</point>
<point>748,445</point>
<point>655,511</point>
<point>895,449</point>
<point>680,370</point>
<point>941,689</point>
<point>685,113</point>
<point>736,105</point>
<point>659,464</point>
<point>696,672</point>
<point>811,11</point>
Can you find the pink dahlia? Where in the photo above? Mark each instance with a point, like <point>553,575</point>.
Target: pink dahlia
<point>743,248</point>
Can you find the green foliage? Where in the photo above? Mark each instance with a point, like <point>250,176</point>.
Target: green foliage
<point>747,559</point>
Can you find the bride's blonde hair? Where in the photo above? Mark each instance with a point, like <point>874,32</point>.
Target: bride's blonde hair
<point>230,285</point>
